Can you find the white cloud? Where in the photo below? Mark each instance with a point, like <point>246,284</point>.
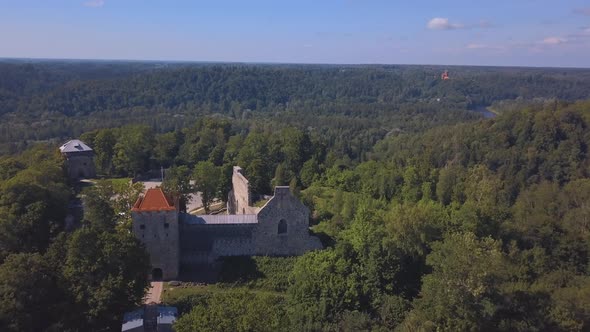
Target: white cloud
<point>485,24</point>
<point>439,23</point>
<point>478,46</point>
<point>553,41</point>
<point>582,11</point>
<point>582,35</point>
<point>474,46</point>
<point>94,3</point>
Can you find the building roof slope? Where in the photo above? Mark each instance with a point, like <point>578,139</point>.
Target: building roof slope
<point>220,219</point>
<point>132,320</point>
<point>74,145</point>
<point>167,315</point>
<point>153,200</point>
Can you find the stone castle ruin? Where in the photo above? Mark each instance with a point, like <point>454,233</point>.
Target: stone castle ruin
<point>177,240</point>
<point>240,198</point>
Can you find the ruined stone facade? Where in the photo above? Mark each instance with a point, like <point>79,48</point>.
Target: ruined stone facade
<point>283,227</point>
<point>240,198</point>
<point>279,228</point>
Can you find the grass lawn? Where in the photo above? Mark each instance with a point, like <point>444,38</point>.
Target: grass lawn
<point>264,276</point>
<point>120,181</point>
<point>217,206</point>
<point>171,294</point>
<point>187,296</point>
<point>261,203</point>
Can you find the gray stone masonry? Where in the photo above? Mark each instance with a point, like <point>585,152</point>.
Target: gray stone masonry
<point>294,239</point>
<point>79,159</point>
<point>240,197</point>
<point>159,232</point>
<point>279,228</point>
<point>80,165</point>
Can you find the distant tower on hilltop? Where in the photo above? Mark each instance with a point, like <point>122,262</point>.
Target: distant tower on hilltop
<point>445,75</point>
<point>79,159</point>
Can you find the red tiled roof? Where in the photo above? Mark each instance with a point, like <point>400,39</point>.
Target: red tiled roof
<point>153,200</point>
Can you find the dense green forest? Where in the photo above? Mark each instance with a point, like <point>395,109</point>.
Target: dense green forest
<point>56,100</point>
<point>433,218</point>
<point>478,226</point>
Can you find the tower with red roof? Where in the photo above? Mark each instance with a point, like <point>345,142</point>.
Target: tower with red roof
<point>155,224</point>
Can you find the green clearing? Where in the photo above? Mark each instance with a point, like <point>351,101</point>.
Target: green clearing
<point>263,273</point>
<point>261,276</point>
<point>175,294</point>
<point>119,181</point>
<point>188,296</point>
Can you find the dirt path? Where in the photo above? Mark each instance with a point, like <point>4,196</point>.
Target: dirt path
<point>155,293</point>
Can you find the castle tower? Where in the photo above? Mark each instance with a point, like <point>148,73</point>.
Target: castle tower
<point>80,159</point>
<point>155,224</point>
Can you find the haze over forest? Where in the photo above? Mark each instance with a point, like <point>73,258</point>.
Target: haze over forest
<point>542,33</point>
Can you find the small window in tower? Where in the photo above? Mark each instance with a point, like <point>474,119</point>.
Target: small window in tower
<point>282,226</point>
<point>166,225</point>
<point>142,227</point>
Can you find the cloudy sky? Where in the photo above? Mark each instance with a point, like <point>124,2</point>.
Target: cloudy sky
<point>470,32</point>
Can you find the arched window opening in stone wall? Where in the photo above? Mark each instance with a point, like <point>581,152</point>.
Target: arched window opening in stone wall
<point>282,226</point>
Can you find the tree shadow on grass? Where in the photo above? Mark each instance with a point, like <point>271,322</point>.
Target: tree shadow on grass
<point>239,269</point>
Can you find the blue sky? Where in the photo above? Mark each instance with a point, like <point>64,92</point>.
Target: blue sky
<point>475,32</point>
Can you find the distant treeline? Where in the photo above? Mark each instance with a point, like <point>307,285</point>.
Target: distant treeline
<point>44,100</point>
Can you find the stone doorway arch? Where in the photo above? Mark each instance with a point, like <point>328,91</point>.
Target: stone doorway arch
<point>282,229</point>
<point>157,274</point>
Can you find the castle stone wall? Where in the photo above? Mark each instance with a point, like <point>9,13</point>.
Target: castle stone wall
<point>295,240</point>
<point>200,243</point>
<point>159,232</point>
<point>80,165</point>
<point>240,198</point>
<point>279,228</point>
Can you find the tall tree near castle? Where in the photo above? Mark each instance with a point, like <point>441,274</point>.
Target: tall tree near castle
<point>207,181</point>
<point>133,150</point>
<point>256,160</point>
<point>177,185</point>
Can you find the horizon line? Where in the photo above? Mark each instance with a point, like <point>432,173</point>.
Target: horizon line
<point>278,63</point>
